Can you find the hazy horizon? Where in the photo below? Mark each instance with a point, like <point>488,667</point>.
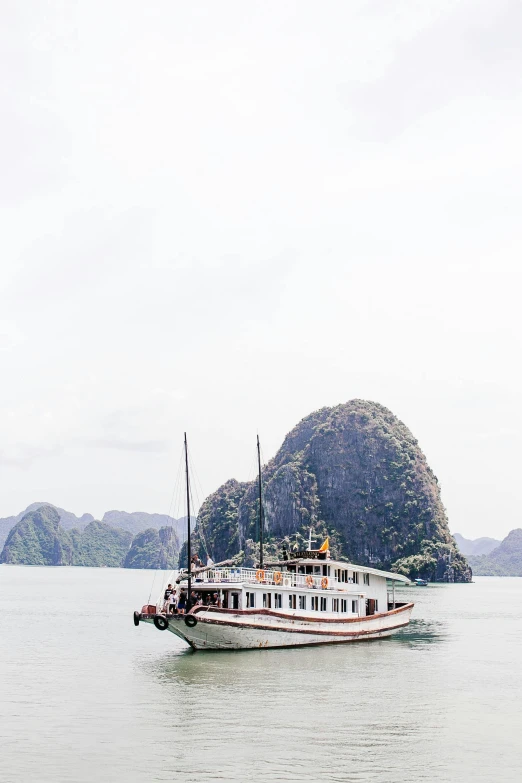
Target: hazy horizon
<point>218,218</point>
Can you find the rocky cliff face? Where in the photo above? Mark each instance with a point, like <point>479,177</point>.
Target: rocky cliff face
<point>154,549</point>
<point>353,472</point>
<point>100,544</point>
<point>68,520</point>
<point>38,539</point>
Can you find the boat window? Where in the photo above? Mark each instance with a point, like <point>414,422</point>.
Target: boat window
<point>267,600</point>
<point>317,570</point>
<point>376,605</point>
<point>302,602</point>
<point>292,601</point>
<point>301,570</point>
<point>325,570</point>
<point>309,569</point>
<point>250,600</point>
<point>366,579</point>
<point>355,578</point>
<point>315,603</point>
<point>335,604</point>
<point>355,607</point>
<point>344,607</point>
<point>278,601</point>
<point>323,604</point>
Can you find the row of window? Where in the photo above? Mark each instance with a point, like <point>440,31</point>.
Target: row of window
<point>351,577</point>
<point>341,574</point>
<point>317,603</point>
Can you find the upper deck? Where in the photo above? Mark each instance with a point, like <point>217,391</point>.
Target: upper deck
<point>303,574</point>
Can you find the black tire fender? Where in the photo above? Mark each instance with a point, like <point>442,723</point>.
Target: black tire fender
<point>191,621</point>
<point>136,619</point>
<point>161,622</point>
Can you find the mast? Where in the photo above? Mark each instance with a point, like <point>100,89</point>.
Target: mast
<point>189,554</point>
<point>260,507</point>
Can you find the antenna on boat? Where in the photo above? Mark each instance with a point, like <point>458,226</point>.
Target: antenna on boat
<point>310,539</point>
<point>260,506</point>
<point>189,558</point>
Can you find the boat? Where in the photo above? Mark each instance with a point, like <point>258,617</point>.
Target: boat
<point>306,598</point>
<point>420,582</point>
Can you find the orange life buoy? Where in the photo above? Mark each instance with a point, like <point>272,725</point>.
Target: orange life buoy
<point>324,582</point>
<point>309,580</point>
<point>278,577</point>
<point>260,575</point>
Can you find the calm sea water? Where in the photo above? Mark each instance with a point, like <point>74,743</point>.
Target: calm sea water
<point>86,696</point>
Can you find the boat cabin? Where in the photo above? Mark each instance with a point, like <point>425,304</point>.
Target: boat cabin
<point>304,584</point>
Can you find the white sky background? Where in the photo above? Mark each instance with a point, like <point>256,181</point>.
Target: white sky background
<point>221,216</point>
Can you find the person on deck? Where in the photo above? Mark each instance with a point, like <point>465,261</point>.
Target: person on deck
<point>166,595</point>
<point>173,601</point>
<point>182,603</point>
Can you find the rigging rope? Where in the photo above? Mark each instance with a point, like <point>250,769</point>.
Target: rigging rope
<point>194,484</point>
<point>176,491</point>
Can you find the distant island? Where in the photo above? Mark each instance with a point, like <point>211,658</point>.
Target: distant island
<point>134,522</point>
<point>503,560</point>
<point>43,535</point>
<point>477,546</point>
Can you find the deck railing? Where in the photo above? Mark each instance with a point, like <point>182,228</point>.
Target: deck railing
<point>265,576</point>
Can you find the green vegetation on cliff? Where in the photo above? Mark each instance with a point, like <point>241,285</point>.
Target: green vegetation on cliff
<point>154,549</point>
<point>353,472</point>
<point>133,522</point>
<point>39,539</point>
<point>505,560</point>
<point>100,545</point>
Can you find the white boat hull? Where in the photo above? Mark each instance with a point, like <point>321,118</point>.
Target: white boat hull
<point>217,629</point>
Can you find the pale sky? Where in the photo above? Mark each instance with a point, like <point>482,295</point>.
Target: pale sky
<point>220,216</point>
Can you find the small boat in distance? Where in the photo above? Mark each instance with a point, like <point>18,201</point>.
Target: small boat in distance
<point>306,598</point>
<point>420,582</point>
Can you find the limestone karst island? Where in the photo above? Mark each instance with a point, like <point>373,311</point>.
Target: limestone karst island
<point>352,472</point>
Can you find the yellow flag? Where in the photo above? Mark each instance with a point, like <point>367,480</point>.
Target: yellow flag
<point>325,546</point>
